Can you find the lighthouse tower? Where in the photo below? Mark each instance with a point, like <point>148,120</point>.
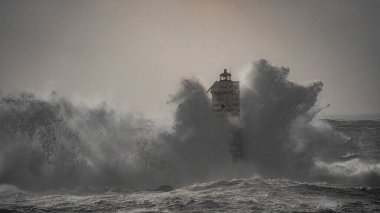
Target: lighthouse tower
<point>225,95</point>
<point>226,101</point>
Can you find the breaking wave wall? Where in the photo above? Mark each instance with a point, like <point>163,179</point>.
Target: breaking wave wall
<point>54,143</point>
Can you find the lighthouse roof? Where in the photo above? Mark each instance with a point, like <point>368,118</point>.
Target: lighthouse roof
<point>223,86</point>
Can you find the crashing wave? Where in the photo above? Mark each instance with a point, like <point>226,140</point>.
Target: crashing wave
<point>54,143</point>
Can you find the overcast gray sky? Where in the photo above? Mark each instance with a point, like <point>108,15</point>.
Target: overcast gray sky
<point>133,53</point>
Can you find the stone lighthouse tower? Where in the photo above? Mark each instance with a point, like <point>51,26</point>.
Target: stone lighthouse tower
<point>225,95</point>
<point>226,101</point>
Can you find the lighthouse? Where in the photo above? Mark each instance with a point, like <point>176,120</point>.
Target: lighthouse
<point>226,102</point>
<point>225,95</point>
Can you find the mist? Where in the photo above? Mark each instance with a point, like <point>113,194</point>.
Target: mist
<point>53,143</point>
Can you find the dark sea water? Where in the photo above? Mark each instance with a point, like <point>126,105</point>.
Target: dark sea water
<point>255,194</point>
<point>237,195</point>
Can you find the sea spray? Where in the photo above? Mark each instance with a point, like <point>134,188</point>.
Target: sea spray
<point>279,138</point>
<point>54,143</point>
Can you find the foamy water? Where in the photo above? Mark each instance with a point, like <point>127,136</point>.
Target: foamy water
<point>241,195</point>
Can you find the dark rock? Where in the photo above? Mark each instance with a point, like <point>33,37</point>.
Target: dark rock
<point>164,188</point>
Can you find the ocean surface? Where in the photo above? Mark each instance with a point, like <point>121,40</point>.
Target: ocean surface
<point>255,194</point>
